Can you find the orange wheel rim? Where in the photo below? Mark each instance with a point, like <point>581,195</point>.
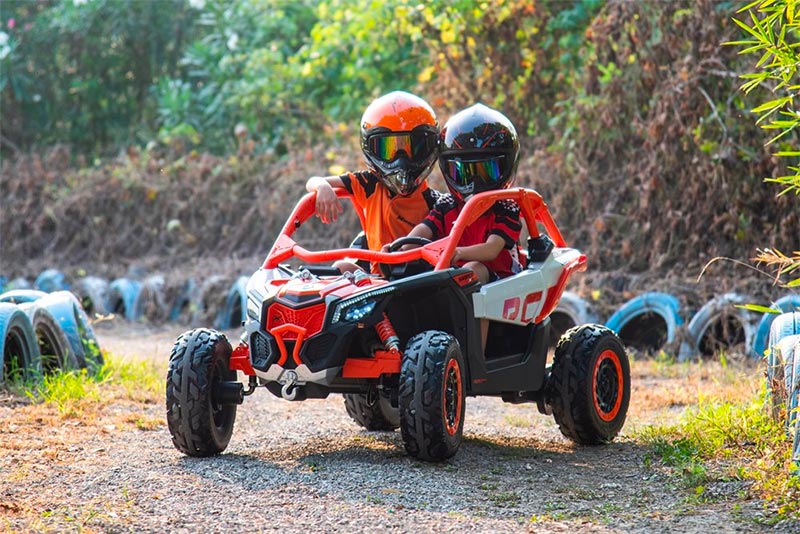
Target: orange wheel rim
<point>607,385</point>
<point>452,398</point>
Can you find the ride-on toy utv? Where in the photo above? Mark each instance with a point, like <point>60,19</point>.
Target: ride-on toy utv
<point>404,348</point>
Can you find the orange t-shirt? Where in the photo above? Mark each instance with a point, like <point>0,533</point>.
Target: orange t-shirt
<point>387,216</point>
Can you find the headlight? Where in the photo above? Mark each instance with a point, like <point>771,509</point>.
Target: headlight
<point>359,311</point>
<point>359,307</point>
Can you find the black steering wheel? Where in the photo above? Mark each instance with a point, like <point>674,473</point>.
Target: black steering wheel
<point>408,240</point>
<point>397,244</point>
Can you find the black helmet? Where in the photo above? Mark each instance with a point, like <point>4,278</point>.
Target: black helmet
<point>400,140</point>
<point>479,151</point>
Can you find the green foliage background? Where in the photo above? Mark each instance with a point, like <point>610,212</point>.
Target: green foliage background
<point>634,126</point>
<point>99,74</point>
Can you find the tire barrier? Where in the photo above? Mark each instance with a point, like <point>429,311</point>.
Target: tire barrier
<point>794,403</point>
<point>719,325</point>
<point>150,303</point>
<point>67,310</point>
<point>571,311</point>
<point>18,283</point>
<point>648,322</point>
<point>54,347</point>
<point>234,312</point>
<point>21,296</point>
<point>92,291</point>
<point>783,377</point>
<point>181,309</point>
<point>51,280</point>
<point>780,372</point>
<point>789,355</point>
<point>20,359</point>
<point>122,294</point>
<point>786,304</point>
<point>209,299</point>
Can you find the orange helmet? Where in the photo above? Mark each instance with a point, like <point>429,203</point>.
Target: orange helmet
<point>400,140</point>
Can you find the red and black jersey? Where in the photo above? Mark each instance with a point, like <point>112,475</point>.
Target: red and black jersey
<point>501,219</point>
<point>387,216</point>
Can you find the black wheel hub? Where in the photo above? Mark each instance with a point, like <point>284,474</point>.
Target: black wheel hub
<point>607,386</point>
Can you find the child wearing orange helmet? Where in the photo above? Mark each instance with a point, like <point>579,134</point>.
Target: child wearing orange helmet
<point>399,139</point>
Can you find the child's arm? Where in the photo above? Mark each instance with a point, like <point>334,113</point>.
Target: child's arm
<point>483,252</point>
<point>419,230</point>
<point>327,206</point>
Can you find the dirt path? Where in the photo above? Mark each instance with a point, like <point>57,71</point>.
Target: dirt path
<point>305,467</point>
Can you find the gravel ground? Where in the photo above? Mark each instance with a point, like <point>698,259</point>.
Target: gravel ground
<point>306,467</point>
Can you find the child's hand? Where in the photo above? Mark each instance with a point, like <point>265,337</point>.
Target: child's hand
<point>457,254</point>
<point>328,207</point>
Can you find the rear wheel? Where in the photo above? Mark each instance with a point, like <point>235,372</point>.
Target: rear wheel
<point>372,411</point>
<point>589,386</point>
<point>200,424</point>
<point>431,396</point>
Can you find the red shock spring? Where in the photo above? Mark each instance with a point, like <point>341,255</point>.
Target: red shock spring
<point>387,334</point>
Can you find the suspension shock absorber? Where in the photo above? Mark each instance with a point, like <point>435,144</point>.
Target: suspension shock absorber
<point>387,334</point>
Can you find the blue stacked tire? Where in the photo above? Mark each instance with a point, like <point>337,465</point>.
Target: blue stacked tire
<point>67,310</point>
<point>150,304</point>
<point>209,299</point>
<point>122,294</point>
<point>783,327</point>
<point>786,304</point>
<point>571,311</point>
<point>19,352</point>
<point>92,291</point>
<point>719,325</point>
<point>783,377</point>
<point>18,283</point>
<point>234,312</point>
<point>21,296</point>
<point>181,308</point>
<point>51,280</point>
<point>794,403</point>
<point>648,322</point>
<point>54,347</point>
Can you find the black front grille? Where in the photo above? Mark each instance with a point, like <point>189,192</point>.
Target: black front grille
<point>319,347</point>
<point>263,350</point>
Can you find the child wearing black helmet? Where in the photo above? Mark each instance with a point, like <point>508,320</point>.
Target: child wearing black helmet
<point>400,142</point>
<point>479,152</point>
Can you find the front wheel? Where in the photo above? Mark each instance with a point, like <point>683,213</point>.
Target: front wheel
<point>431,397</point>
<point>589,387</point>
<point>199,423</point>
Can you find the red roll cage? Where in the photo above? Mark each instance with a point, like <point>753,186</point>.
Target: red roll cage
<point>438,253</point>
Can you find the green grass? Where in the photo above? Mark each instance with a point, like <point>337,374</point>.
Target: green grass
<point>728,441</point>
<point>140,381</point>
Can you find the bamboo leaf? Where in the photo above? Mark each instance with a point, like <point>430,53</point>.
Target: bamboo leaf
<point>758,308</point>
<point>772,104</point>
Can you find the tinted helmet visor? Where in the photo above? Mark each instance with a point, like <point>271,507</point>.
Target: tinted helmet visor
<point>417,144</point>
<point>488,172</point>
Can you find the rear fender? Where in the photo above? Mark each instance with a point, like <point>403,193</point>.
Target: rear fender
<point>531,295</point>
